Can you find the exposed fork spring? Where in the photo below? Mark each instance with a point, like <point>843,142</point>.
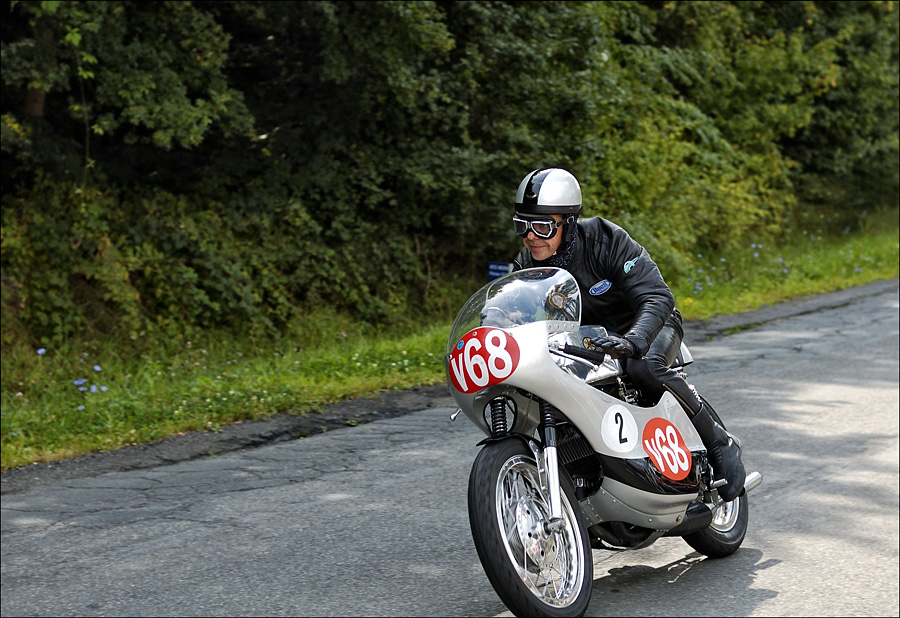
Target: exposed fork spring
<point>498,417</point>
<point>548,414</point>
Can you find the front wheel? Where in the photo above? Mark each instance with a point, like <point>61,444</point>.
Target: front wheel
<point>726,532</point>
<point>533,571</point>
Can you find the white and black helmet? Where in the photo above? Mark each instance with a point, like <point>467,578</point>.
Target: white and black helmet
<point>550,191</point>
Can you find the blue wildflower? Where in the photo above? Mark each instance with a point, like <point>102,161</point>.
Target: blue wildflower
<point>755,254</point>
<point>82,388</point>
<point>97,368</point>
<point>42,351</point>
<point>81,407</point>
<point>79,381</point>
<point>104,389</point>
<point>93,388</point>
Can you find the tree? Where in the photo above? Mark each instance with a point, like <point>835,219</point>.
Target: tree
<point>848,152</point>
<point>252,160</point>
<point>130,72</point>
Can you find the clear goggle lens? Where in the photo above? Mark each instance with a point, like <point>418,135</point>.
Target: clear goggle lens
<point>542,228</point>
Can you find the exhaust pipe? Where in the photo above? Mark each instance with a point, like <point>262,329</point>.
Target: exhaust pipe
<point>752,481</point>
<point>699,515</point>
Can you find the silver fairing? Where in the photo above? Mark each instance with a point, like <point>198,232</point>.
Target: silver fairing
<point>520,319</point>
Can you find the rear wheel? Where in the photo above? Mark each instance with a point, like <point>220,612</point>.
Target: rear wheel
<point>726,532</point>
<point>534,571</point>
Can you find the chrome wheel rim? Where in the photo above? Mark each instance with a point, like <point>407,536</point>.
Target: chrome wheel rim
<point>726,515</point>
<point>550,564</point>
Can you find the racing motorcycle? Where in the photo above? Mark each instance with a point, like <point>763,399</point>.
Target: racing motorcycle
<point>574,458</point>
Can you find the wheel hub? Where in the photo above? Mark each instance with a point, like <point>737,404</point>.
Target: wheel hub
<point>540,547</point>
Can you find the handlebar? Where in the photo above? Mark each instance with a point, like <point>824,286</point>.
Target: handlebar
<point>591,355</point>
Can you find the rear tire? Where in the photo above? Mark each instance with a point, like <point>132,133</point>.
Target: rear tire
<point>726,532</point>
<point>534,573</point>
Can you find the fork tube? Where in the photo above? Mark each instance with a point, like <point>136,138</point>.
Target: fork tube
<point>548,423</point>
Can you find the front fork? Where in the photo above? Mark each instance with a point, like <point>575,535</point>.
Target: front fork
<point>548,467</point>
<point>551,466</point>
<point>547,464</point>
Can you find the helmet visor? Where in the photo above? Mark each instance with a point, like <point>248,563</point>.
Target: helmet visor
<point>542,228</point>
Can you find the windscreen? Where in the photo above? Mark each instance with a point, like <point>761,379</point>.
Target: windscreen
<point>525,296</point>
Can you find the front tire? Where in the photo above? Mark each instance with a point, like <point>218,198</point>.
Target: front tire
<point>726,532</point>
<point>535,573</point>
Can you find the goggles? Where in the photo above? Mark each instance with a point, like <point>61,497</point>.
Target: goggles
<point>542,228</point>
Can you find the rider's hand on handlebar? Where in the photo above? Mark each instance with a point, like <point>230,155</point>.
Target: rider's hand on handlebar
<point>617,347</point>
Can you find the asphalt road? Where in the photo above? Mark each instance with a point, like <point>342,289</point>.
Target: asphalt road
<point>371,520</point>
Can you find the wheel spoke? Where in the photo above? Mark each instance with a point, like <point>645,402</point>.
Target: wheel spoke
<point>547,564</point>
<point>556,573</point>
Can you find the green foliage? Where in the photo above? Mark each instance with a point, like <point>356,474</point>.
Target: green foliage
<point>817,257</point>
<point>848,152</point>
<point>712,107</point>
<point>171,167</point>
<point>89,396</point>
<point>691,157</point>
<point>427,122</point>
<point>53,243</point>
<point>134,72</point>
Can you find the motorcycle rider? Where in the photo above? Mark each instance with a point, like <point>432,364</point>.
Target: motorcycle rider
<point>622,290</point>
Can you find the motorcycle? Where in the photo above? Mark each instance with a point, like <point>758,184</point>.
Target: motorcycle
<point>574,458</point>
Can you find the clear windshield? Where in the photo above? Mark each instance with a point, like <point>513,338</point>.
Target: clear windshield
<point>525,296</point>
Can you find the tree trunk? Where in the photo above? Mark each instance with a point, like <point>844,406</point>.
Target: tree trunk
<point>34,102</point>
<point>34,98</point>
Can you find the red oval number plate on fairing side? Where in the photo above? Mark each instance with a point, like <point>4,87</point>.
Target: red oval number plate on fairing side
<point>667,449</point>
<point>484,356</point>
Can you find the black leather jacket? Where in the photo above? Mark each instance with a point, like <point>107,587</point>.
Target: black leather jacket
<point>621,286</point>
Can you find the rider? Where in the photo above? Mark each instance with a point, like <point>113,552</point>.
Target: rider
<point>622,290</point>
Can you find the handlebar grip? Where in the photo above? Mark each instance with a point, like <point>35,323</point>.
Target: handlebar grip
<point>594,357</point>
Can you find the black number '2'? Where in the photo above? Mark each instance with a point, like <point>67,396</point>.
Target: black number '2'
<point>621,423</point>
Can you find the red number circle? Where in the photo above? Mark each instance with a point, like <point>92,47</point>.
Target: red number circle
<point>664,444</point>
<point>484,356</point>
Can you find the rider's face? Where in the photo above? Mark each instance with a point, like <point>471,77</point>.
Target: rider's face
<point>542,248</point>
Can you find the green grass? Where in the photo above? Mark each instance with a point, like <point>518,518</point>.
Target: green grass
<point>49,414</point>
<point>200,384</point>
<point>808,263</point>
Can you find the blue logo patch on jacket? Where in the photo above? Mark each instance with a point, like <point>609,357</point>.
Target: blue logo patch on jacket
<point>600,287</point>
<point>630,264</point>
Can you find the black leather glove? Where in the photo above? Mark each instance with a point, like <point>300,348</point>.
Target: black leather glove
<point>617,347</point>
